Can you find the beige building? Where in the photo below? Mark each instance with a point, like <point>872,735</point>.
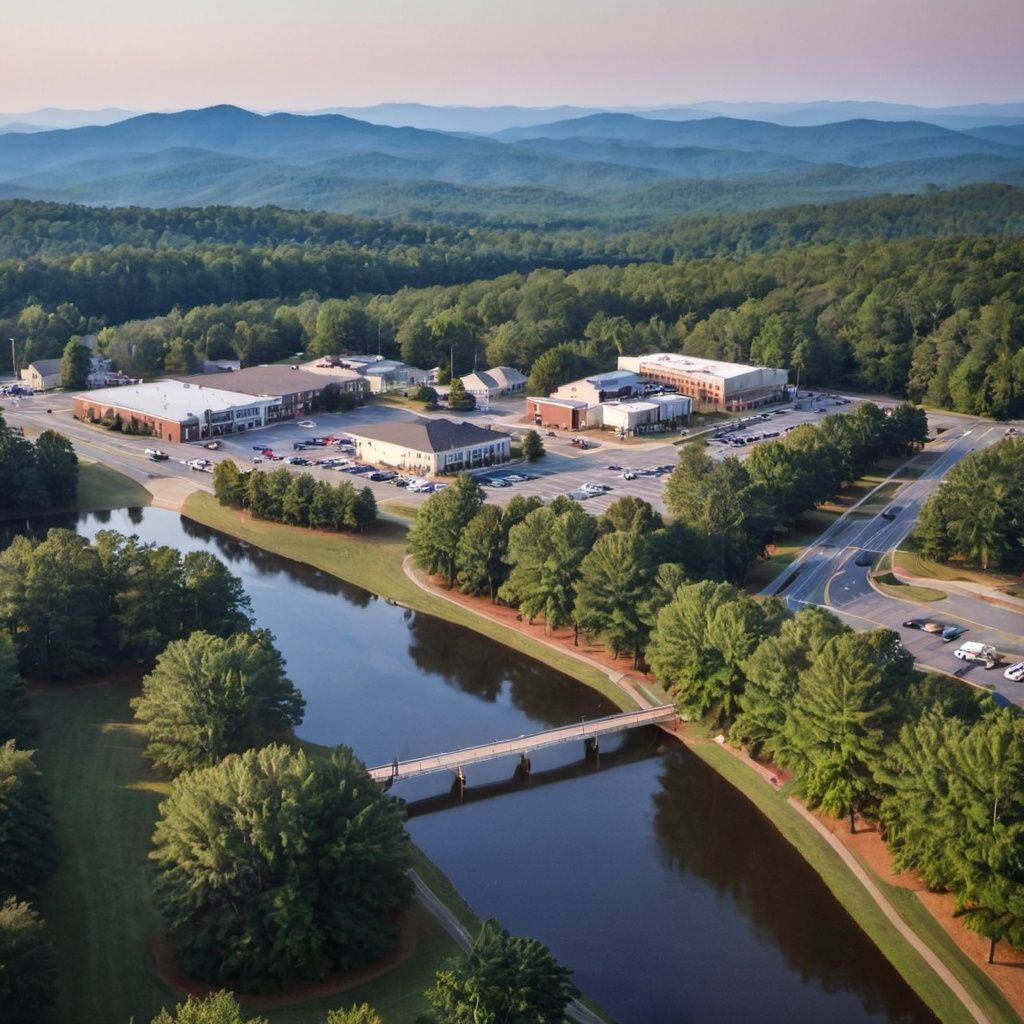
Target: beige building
<point>43,374</point>
<point>710,382</point>
<point>486,385</point>
<point>430,446</point>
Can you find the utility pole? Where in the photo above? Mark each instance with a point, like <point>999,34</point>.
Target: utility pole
<point>14,359</point>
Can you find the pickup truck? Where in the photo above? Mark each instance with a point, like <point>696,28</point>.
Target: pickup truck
<point>974,651</point>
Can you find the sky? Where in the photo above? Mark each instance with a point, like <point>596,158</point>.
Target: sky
<point>308,54</point>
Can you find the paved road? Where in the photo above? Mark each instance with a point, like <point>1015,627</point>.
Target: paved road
<point>826,574</point>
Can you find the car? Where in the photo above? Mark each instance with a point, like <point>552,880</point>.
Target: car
<point>156,455</point>
<point>891,513</point>
<point>628,475</point>
<point>259,458</point>
<point>592,488</point>
<point>864,559</point>
<point>950,633</point>
<point>212,445</point>
<point>199,465</point>
<point>517,478</point>
<point>1015,673</point>
<point>401,482</point>
<point>306,424</point>
<point>382,475</point>
<point>927,625</point>
<point>261,448</point>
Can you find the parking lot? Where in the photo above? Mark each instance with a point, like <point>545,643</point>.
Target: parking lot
<point>632,468</point>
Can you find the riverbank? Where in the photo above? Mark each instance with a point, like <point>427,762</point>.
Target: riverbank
<point>375,562</point>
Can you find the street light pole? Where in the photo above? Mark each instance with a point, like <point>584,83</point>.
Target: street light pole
<point>14,359</point>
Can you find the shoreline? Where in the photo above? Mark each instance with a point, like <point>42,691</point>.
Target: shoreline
<point>628,685</point>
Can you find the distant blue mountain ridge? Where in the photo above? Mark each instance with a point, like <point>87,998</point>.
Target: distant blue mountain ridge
<point>599,164</point>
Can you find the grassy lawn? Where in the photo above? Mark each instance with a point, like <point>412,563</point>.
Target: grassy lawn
<point>374,560</point>
<point>895,587</point>
<point>100,487</point>
<point>764,571</point>
<point>104,797</point>
<point>863,909</point>
<point>917,565</point>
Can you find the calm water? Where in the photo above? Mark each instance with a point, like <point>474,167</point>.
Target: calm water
<point>667,893</point>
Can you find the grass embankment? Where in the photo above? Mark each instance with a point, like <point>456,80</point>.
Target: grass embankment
<point>890,584</point>
<point>374,560</point>
<point>100,487</point>
<point>104,796</point>
<point>863,909</point>
<point>915,564</point>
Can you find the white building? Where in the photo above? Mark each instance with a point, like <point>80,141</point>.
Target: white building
<point>430,446</point>
<point>601,387</point>
<point>486,385</point>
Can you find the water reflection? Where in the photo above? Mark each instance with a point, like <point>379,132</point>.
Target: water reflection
<point>757,870</point>
<point>665,890</point>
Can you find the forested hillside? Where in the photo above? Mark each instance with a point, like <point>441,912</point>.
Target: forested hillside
<point>936,316</point>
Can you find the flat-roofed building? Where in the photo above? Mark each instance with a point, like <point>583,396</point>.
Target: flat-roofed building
<point>710,382</point>
<point>626,417</point>
<point>430,446</point>
<point>601,387</point>
<point>559,413</point>
<point>176,411</point>
<point>295,389</point>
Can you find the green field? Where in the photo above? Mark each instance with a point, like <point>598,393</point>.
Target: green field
<point>100,487</point>
<point>105,796</point>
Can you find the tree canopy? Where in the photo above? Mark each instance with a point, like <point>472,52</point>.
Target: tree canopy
<point>211,696</point>
<point>272,867</point>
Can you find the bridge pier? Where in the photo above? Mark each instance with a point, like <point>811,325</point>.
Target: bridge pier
<point>459,785</point>
<point>524,768</point>
<point>591,748</point>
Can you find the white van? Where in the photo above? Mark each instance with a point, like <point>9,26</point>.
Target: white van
<point>974,651</point>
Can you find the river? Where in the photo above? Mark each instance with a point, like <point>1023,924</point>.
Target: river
<point>667,893</point>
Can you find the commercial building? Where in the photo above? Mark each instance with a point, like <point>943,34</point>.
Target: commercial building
<point>602,387</point>
<point>559,413</point>
<point>294,389</point>
<point>486,385</point>
<point>174,410</point>
<point>384,375</point>
<point>710,383</point>
<point>43,374</point>
<point>347,380</point>
<point>430,446</point>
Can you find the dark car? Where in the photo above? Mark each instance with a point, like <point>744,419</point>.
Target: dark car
<point>159,456</point>
<point>212,445</point>
<point>865,559</point>
<point>950,633</point>
<point>891,513</point>
<point>382,474</point>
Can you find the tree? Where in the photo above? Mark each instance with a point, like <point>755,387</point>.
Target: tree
<point>13,724</point>
<point>229,485</point>
<point>615,576</point>
<point>28,965</point>
<point>272,866</point>
<point>502,979</point>
<point>480,555</point>
<point>297,500</point>
<point>27,852</point>
<point>75,364</point>
<point>459,399</point>
<point>772,673</point>
<point>533,446</point>
<point>425,393</point>
<point>57,466</point>
<point>833,736</point>
<point>545,551</point>
<point>22,490</point>
<point>440,522</point>
<point>213,599</point>
<point>361,1014</point>
<point>51,598</point>
<point>218,1008</point>
<point>211,696</point>
<point>365,511</point>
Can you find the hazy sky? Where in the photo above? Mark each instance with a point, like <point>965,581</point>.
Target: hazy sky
<point>262,54</point>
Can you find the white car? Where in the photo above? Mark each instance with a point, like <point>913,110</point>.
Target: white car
<point>1015,673</point>
<point>258,458</point>
<point>306,424</point>
<point>594,488</point>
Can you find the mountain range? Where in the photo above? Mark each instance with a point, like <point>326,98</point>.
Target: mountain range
<point>598,166</point>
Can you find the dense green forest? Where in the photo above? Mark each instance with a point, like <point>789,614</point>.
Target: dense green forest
<point>837,294</point>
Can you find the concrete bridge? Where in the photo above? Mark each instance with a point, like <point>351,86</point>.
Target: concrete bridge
<point>456,760</point>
